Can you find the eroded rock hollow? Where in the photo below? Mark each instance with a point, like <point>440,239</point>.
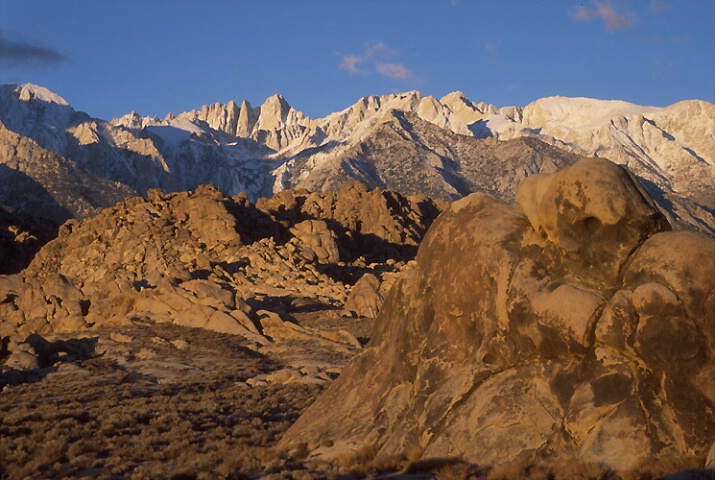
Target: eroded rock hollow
<point>575,326</point>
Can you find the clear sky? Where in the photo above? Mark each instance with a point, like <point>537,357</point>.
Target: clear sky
<point>158,56</point>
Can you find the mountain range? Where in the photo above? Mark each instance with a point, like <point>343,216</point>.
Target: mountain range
<point>445,148</point>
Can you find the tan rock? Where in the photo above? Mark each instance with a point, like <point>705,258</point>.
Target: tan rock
<point>244,321</point>
<point>503,346</point>
<point>68,324</point>
<point>197,316</point>
<point>210,293</point>
<point>365,299</point>
<point>595,212</point>
<point>316,241</point>
<point>224,323</point>
<point>180,344</point>
<point>120,337</point>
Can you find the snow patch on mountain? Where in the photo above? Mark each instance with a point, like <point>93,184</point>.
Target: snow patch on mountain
<point>173,132</point>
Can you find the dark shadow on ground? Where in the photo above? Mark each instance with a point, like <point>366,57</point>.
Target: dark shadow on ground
<point>50,355</point>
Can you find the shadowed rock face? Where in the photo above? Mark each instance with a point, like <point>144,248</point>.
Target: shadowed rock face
<point>583,329</point>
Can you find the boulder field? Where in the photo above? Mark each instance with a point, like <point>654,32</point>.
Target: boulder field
<point>576,325</point>
<point>203,260</point>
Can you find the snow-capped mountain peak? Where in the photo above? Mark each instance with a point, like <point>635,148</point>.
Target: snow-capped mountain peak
<point>579,113</point>
<point>36,112</point>
<point>29,92</point>
<point>274,146</point>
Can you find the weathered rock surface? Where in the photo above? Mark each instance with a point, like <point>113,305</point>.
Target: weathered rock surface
<point>579,328</point>
<point>375,224</point>
<point>316,241</point>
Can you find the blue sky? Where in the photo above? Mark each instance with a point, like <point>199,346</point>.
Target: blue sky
<point>158,56</point>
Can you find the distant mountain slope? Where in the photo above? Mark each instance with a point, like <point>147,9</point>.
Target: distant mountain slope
<point>43,185</point>
<point>411,155</point>
<point>444,148</point>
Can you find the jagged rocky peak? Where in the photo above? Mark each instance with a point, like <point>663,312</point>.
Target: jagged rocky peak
<point>270,123</point>
<point>279,125</point>
<point>246,120</point>
<point>276,113</point>
<point>358,119</point>
<point>221,117</point>
<point>131,120</point>
<point>469,111</point>
<point>36,112</point>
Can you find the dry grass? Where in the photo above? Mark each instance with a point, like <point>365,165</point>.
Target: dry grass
<point>459,470</point>
<point>109,422</point>
<point>149,433</point>
<point>577,470</point>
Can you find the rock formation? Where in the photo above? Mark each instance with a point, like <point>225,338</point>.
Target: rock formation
<point>375,224</point>
<point>200,259</point>
<point>576,327</point>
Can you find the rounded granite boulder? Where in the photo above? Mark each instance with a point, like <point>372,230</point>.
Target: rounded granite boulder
<point>578,328</point>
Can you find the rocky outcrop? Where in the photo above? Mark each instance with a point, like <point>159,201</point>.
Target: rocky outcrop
<point>375,224</point>
<point>219,117</point>
<point>246,120</point>
<point>200,259</point>
<point>365,299</point>
<point>580,327</point>
<point>315,240</point>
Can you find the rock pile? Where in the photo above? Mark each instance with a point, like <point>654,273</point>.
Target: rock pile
<point>204,260</point>
<point>376,224</point>
<point>576,327</point>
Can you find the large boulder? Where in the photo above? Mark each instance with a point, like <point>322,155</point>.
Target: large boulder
<point>365,299</point>
<point>581,330</point>
<point>316,241</point>
<point>594,214</point>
